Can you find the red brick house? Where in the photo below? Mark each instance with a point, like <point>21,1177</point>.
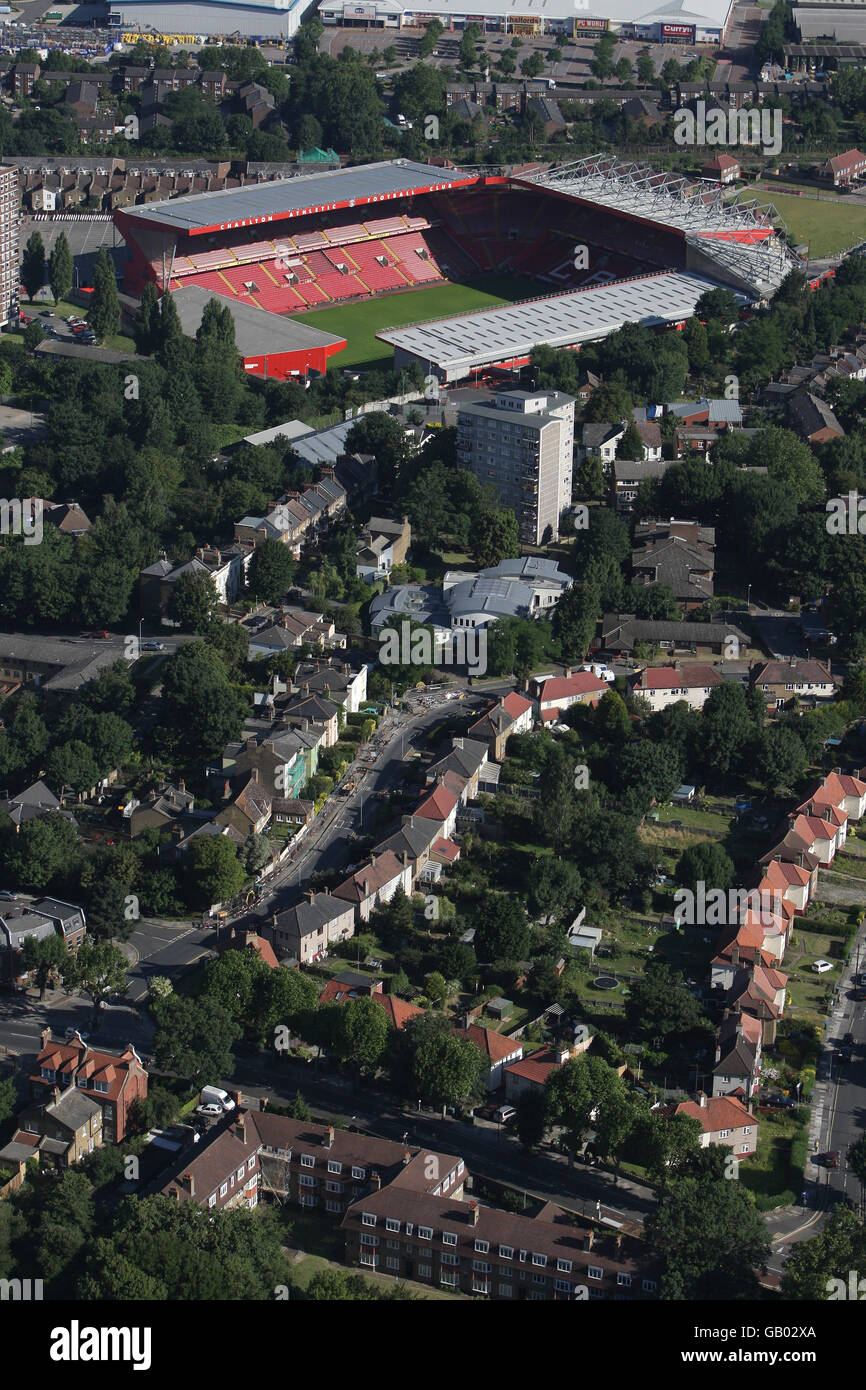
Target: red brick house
<point>723,169</point>
<point>113,1079</point>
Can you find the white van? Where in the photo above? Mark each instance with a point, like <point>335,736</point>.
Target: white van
<point>212,1095</point>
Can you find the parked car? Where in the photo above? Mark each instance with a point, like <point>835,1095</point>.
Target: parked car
<point>153,646</point>
<point>831,1158</point>
<point>211,1111</point>
<point>505,1114</point>
<point>822,966</point>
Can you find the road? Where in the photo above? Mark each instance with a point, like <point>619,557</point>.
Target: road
<point>489,1150</point>
<point>329,844</point>
<point>162,947</point>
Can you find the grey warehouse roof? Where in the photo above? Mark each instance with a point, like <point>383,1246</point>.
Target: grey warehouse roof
<point>257,332</point>
<point>291,197</point>
<point>476,339</point>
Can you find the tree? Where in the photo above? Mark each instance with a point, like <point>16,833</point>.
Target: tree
<point>575,618</point>
<point>711,1238</point>
<point>707,863</point>
<point>501,930</point>
<point>631,444</point>
<point>575,1091</point>
<point>660,1003</point>
<point>531,1122</point>
<point>97,970</point>
<point>44,850</point>
<point>365,1034</point>
<point>494,537</point>
<point>45,959</point>
<point>728,731</point>
<point>103,314</point>
<point>781,758</point>
<point>193,602</point>
<point>108,911</point>
<point>813,1266</point>
<point>194,1038</point>
<point>533,66</point>
<point>299,1109</point>
<point>645,70</point>
<point>381,435</point>
<point>553,886</point>
<point>200,705</point>
<point>212,871</point>
<point>272,570</point>
<point>146,325</point>
<point>857,1159</point>
<point>60,269</point>
<point>433,1063</point>
<point>33,265</point>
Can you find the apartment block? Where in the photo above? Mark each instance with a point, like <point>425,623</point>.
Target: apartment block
<point>9,251</point>
<point>522,443</point>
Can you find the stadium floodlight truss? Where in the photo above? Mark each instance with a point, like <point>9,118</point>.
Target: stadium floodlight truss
<point>718,226</point>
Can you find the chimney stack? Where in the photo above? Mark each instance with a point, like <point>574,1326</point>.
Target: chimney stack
<point>375,1181</point>
<point>474,1213</point>
<point>702,1099</point>
<point>189,1182</point>
<point>45,1037</point>
<point>328,1139</point>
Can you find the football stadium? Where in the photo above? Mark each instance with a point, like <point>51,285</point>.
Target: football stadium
<point>458,270</point>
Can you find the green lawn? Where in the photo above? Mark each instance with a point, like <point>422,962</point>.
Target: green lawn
<point>359,323</point>
<point>828,226</point>
<point>775,1173</point>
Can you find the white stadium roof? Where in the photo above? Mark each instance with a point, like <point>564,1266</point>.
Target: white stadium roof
<point>476,340</point>
<point>709,219</point>
<point>265,202</point>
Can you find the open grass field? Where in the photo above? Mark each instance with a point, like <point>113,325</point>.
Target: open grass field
<point>829,226</point>
<point>359,323</point>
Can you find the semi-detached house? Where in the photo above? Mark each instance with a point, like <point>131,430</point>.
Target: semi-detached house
<point>662,686</point>
<point>723,1120</point>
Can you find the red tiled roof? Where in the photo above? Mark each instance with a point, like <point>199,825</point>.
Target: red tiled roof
<point>782,874</point>
<point>438,805</point>
<point>536,1067</point>
<point>720,1112</point>
<point>581,683</point>
<point>398,1011</point>
<point>668,678</point>
<point>515,704</point>
<point>447,849</point>
<point>494,1046</point>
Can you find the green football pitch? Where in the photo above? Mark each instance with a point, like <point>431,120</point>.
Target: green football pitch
<point>359,323</point>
